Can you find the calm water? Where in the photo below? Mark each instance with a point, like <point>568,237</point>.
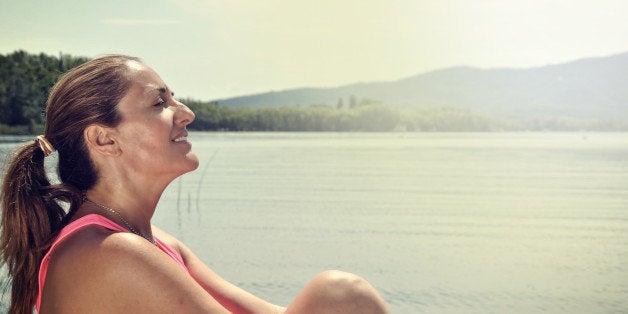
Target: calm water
<point>439,223</point>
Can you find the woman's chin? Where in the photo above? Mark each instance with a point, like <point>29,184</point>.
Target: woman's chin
<point>193,160</point>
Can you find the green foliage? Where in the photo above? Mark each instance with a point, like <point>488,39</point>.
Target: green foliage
<point>25,81</point>
<point>367,117</point>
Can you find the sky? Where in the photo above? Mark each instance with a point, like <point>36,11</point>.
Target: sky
<point>213,49</point>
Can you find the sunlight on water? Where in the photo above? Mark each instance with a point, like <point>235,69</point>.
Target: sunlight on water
<point>439,223</point>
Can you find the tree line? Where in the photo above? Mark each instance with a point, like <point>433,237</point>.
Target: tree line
<point>26,80</point>
<point>367,117</point>
<point>376,117</point>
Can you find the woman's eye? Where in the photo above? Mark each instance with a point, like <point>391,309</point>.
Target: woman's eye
<point>161,102</point>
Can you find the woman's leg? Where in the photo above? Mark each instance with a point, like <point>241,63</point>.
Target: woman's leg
<point>338,292</point>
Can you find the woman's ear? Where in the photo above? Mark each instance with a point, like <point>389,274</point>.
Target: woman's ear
<point>100,139</point>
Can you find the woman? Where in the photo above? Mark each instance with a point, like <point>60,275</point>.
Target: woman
<point>121,139</point>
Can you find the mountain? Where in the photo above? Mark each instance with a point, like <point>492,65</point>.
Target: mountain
<point>587,88</point>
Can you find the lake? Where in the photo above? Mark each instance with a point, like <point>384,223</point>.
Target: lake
<point>437,222</point>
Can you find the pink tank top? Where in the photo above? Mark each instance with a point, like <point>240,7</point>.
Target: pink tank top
<point>90,220</point>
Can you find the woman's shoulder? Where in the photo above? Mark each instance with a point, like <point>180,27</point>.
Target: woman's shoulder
<point>99,244</point>
<point>99,240</point>
<point>98,267</point>
<point>95,251</point>
<point>92,253</point>
<point>93,240</point>
<point>106,251</point>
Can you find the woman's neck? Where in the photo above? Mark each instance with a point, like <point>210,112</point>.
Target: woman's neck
<point>132,207</point>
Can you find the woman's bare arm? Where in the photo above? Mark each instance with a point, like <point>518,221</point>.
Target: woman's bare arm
<point>233,298</point>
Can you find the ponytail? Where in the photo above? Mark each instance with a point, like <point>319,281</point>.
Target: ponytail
<point>31,217</point>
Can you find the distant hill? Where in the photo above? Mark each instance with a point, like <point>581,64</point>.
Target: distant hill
<point>588,88</point>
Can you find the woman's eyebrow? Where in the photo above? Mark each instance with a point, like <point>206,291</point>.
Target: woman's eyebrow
<point>159,89</point>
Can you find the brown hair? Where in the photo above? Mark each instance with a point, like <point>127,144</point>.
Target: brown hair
<point>31,212</point>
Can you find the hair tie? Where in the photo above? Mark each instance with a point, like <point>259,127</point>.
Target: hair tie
<point>45,146</point>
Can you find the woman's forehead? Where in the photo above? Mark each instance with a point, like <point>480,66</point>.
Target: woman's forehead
<point>147,82</point>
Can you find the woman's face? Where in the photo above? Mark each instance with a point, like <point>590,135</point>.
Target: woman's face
<point>152,134</point>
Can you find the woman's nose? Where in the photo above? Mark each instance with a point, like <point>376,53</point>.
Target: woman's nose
<point>183,115</point>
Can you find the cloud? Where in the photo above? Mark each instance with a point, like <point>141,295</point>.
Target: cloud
<point>135,22</point>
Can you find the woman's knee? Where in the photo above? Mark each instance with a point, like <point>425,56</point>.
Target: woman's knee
<point>342,285</point>
<point>342,290</point>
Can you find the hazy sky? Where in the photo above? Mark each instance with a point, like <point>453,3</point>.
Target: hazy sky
<point>209,49</point>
